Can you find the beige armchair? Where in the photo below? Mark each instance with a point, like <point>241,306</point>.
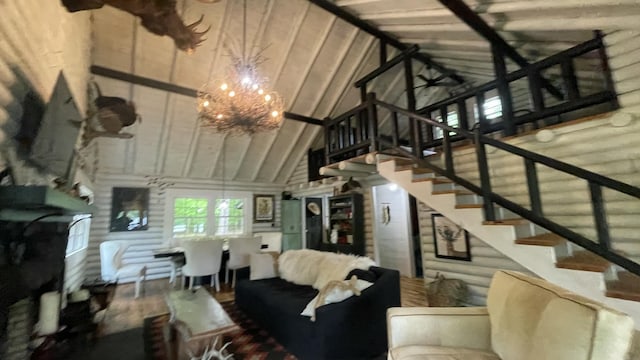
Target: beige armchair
<point>525,319</point>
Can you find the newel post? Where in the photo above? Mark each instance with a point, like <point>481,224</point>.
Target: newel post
<point>372,121</point>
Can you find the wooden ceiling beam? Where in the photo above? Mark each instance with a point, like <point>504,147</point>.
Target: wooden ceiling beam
<point>475,22</point>
<point>390,40</point>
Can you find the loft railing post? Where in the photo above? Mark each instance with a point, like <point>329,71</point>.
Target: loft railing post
<point>446,143</point>
<point>395,129</point>
<point>485,180</point>
<point>604,65</point>
<point>463,120</point>
<point>534,189</point>
<point>504,91</point>
<point>600,215</point>
<point>569,79</point>
<point>535,89</point>
<point>372,120</point>
<point>327,140</point>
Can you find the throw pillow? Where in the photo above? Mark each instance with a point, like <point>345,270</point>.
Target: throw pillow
<point>263,265</point>
<point>335,291</point>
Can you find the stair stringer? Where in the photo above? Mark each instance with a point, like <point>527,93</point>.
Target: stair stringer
<point>540,260</point>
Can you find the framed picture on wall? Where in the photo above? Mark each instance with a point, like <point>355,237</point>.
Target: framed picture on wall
<point>129,209</point>
<point>263,208</point>
<point>451,241</point>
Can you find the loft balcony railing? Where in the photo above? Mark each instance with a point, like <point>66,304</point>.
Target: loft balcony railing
<point>362,131</point>
<point>545,101</point>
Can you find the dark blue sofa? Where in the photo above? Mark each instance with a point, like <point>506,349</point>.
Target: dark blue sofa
<point>350,330</point>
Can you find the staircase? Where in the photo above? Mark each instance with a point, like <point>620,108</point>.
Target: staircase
<point>544,253</point>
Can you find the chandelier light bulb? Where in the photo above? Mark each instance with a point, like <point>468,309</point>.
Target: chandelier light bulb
<point>267,97</point>
<point>219,116</point>
<point>274,113</point>
<point>246,80</point>
<point>260,91</point>
<point>255,86</point>
<point>206,103</point>
<point>232,93</point>
<point>224,87</point>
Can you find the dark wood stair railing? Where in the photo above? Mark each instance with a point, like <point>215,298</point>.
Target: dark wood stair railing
<point>362,137</point>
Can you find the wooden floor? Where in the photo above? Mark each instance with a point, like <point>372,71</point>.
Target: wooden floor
<point>125,312</point>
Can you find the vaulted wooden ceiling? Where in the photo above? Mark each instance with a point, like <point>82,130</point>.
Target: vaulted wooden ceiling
<point>314,58</point>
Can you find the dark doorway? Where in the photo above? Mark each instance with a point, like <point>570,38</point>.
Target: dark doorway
<point>313,222</point>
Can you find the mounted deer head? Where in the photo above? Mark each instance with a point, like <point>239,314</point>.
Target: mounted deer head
<point>158,16</point>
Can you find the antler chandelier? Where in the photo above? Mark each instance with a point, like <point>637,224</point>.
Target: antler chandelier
<point>242,103</point>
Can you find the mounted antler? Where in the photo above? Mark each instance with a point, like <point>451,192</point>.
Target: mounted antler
<point>158,16</point>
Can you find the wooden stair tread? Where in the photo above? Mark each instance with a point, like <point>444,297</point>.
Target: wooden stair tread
<point>515,221</point>
<point>422,179</point>
<point>627,287</point>
<point>403,167</point>
<point>419,170</point>
<point>442,181</point>
<point>583,260</point>
<point>548,239</point>
<point>453,191</point>
<point>469,206</point>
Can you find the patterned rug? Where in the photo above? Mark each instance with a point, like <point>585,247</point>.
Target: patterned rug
<point>249,343</point>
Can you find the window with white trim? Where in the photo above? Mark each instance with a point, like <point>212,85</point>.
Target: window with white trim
<point>192,213</point>
<point>78,233</point>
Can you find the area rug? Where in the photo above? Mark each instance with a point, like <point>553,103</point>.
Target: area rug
<point>249,343</point>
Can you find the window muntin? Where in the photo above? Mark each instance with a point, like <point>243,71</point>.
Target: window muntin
<point>229,215</point>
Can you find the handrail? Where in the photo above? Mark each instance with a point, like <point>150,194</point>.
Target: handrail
<point>596,181</point>
<point>544,160</point>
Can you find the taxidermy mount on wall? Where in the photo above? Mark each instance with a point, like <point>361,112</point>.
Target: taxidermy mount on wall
<point>111,115</point>
<point>158,16</point>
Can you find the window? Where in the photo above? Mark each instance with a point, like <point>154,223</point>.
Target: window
<point>189,217</point>
<point>78,233</point>
<point>229,216</point>
<point>492,108</point>
<point>191,213</point>
<point>452,120</point>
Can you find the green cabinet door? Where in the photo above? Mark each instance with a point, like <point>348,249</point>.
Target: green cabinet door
<point>291,222</point>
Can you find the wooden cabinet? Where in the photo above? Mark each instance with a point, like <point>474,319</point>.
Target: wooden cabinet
<point>346,225</point>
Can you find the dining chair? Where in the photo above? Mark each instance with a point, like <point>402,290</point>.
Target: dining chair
<point>203,257</point>
<point>272,240</point>
<point>240,250</point>
<point>112,268</point>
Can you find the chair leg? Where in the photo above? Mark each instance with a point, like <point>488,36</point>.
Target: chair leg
<point>226,275</point>
<point>213,281</point>
<point>191,282</point>
<point>217,282</point>
<point>172,275</point>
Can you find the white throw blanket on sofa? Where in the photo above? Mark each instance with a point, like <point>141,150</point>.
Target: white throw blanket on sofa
<point>317,268</point>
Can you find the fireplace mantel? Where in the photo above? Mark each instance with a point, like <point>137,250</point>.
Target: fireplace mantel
<point>27,203</point>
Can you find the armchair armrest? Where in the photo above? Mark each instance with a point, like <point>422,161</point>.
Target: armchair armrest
<point>467,327</point>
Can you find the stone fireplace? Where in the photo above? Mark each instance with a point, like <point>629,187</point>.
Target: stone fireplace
<point>32,258</point>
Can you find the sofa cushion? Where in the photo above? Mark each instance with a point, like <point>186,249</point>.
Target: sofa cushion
<point>426,352</point>
<point>534,319</point>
